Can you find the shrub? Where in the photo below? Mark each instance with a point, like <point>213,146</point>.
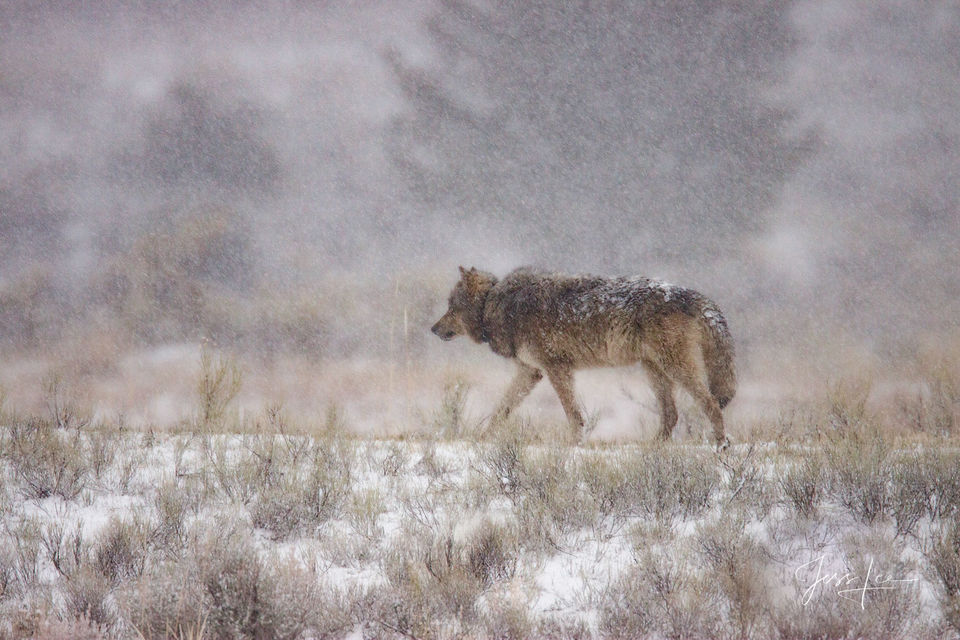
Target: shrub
<point>745,481</point>
<point>66,549</point>
<point>235,474</point>
<point>935,408</point>
<point>395,461</point>
<point>120,550</point>
<point>9,584</point>
<point>943,559</point>
<point>225,590</point>
<point>605,481</point>
<point>174,500</point>
<point>283,507</point>
<point>847,404</point>
<point>828,618</point>
<point>449,421</point>
<point>924,483</point>
<point>102,447</point>
<point>436,577</point>
<point>501,461</point>
<point>330,476</point>
<point>87,596</point>
<point>26,538</point>
<point>550,502</point>
<point>942,468</point>
<point>859,469</point>
<point>563,629</point>
<point>26,624</point>
<point>736,562</point>
<point>507,617</point>
<point>47,461</point>
<point>663,481</point>
<point>166,601</point>
<point>803,483</point>
<point>218,385</point>
<point>911,495</point>
<point>660,596</point>
<point>492,552</point>
<point>432,465</point>
<point>541,481</point>
<point>288,497</point>
<point>65,410</point>
<point>362,510</point>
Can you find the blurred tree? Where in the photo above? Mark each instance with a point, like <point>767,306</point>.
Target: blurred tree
<point>183,284</point>
<point>878,82</point>
<point>611,127</point>
<point>33,309</point>
<point>195,141</point>
<point>31,226</point>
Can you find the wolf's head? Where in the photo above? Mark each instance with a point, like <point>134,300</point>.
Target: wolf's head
<point>464,314</point>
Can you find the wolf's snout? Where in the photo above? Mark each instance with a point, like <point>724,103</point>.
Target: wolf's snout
<point>444,334</point>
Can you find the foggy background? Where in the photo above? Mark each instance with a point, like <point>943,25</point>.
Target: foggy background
<point>301,180</point>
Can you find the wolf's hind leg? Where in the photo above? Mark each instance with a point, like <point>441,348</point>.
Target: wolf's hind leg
<point>687,376</point>
<point>523,383</point>
<point>663,389</point>
<point>562,380</point>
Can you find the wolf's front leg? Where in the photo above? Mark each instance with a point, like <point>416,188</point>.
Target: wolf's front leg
<point>523,383</point>
<point>561,378</point>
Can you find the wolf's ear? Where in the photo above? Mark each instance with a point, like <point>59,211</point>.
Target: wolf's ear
<point>471,279</point>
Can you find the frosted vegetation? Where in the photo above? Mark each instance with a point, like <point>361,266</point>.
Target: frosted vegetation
<point>829,525</point>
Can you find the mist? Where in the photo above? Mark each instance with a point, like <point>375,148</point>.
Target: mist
<point>299,182</point>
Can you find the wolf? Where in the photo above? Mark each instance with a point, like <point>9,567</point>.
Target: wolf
<point>553,324</point>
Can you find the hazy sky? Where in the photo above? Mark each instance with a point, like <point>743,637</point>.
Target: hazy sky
<point>799,156</point>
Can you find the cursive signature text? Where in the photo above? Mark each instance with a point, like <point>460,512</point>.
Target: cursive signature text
<point>847,585</point>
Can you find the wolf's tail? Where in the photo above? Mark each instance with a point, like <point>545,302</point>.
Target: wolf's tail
<point>717,346</point>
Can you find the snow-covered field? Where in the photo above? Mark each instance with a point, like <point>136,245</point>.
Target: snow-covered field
<point>278,533</point>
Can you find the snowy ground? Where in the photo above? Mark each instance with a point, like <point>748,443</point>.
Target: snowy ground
<point>212,534</point>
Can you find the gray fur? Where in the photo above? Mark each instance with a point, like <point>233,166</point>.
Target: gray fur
<point>553,324</point>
